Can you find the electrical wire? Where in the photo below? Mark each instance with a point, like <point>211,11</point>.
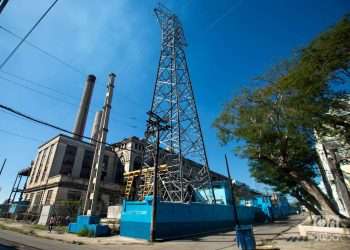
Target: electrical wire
<point>47,124</point>
<point>38,84</point>
<point>45,52</point>
<point>75,104</point>
<point>28,33</point>
<point>19,135</point>
<point>37,91</point>
<point>55,58</point>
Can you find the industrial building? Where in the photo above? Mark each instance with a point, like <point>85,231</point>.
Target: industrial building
<point>61,172</point>
<point>62,166</point>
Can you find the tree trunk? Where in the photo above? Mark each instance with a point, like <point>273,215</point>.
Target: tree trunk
<point>325,180</point>
<point>327,208</point>
<point>307,204</point>
<point>341,187</point>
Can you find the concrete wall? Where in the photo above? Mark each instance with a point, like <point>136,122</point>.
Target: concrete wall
<point>176,220</point>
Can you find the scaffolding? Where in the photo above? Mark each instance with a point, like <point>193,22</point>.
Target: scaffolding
<point>16,189</point>
<point>145,188</point>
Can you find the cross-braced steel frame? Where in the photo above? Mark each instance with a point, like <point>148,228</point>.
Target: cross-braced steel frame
<point>183,149</point>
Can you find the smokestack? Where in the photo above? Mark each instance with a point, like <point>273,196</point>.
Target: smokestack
<point>80,121</point>
<point>95,127</point>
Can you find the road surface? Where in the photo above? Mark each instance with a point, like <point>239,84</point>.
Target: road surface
<point>11,240</point>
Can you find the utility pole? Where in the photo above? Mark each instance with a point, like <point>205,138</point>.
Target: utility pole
<point>3,4</point>
<point>234,208</point>
<point>156,124</point>
<point>3,165</point>
<point>91,198</point>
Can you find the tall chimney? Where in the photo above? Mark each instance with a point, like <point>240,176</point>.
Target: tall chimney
<point>95,127</point>
<point>83,111</point>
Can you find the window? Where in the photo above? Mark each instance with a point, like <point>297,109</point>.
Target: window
<point>32,174</point>
<point>30,198</point>
<point>87,164</point>
<point>48,197</point>
<point>68,160</point>
<point>104,167</point>
<point>38,171</point>
<point>46,164</point>
<point>137,163</point>
<point>38,197</point>
<point>73,195</point>
<point>119,175</point>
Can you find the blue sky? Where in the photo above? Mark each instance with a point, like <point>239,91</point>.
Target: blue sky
<point>230,43</point>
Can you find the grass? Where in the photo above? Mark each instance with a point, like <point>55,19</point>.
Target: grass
<point>17,230</point>
<point>85,232</point>
<point>38,227</point>
<point>58,229</point>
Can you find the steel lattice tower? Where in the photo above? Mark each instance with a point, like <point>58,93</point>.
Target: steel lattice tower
<point>183,149</point>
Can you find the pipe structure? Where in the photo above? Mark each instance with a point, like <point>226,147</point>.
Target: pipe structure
<point>83,111</point>
<point>95,127</point>
<point>91,199</point>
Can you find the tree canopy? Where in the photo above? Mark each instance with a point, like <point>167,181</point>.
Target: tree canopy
<point>277,122</point>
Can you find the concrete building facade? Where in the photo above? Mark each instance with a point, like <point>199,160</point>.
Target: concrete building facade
<point>61,173</point>
<point>129,152</point>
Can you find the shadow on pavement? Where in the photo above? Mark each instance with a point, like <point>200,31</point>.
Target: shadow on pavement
<point>7,247</point>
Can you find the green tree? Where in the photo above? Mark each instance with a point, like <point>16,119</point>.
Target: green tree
<point>277,121</point>
<point>280,152</point>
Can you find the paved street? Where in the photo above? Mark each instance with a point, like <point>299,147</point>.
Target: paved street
<point>279,235</point>
<point>13,240</point>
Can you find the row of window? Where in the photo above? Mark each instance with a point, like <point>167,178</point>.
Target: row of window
<point>44,158</point>
<point>136,146</point>
<point>69,159</point>
<point>71,196</point>
<point>42,164</point>
<point>38,197</point>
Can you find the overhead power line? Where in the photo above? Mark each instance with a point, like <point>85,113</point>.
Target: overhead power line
<point>26,36</point>
<point>37,91</point>
<point>19,135</point>
<point>47,124</point>
<point>45,52</point>
<point>39,84</point>
<point>73,104</point>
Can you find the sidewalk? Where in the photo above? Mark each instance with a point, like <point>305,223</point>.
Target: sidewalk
<point>291,240</point>
<point>41,231</point>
